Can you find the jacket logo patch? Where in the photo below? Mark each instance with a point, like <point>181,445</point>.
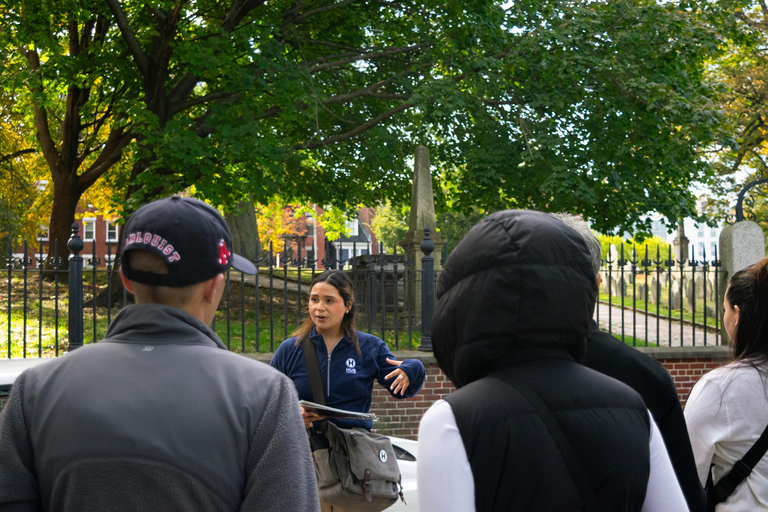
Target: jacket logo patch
<point>383,456</point>
<point>148,348</point>
<point>351,366</point>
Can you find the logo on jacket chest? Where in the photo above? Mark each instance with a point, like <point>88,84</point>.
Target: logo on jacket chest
<point>351,366</point>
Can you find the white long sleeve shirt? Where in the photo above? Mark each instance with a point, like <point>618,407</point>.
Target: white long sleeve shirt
<point>726,413</point>
<point>445,480</point>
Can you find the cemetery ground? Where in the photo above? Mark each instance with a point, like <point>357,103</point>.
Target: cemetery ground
<point>37,314</point>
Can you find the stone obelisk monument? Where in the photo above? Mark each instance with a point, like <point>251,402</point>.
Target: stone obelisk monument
<point>422,214</point>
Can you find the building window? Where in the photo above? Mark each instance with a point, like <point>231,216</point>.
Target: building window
<point>43,234</point>
<point>701,233</point>
<point>713,233</point>
<point>701,250</point>
<point>352,227</point>
<point>112,232</point>
<point>310,225</point>
<point>89,230</point>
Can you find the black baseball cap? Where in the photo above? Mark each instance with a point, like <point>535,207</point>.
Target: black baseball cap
<point>191,237</point>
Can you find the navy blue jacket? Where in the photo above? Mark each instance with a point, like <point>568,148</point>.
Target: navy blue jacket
<point>349,384</point>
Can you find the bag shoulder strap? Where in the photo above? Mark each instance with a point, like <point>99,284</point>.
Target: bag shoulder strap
<point>739,472</point>
<point>575,468</point>
<point>313,370</point>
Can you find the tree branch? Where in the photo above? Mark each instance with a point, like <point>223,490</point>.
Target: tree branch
<point>312,12</point>
<point>17,154</point>
<point>180,107</point>
<point>43,131</point>
<point>238,10</point>
<point>371,55</point>
<point>355,131</point>
<point>111,154</point>
<point>142,61</point>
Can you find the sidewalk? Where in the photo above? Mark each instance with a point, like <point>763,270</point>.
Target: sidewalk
<point>691,336</point>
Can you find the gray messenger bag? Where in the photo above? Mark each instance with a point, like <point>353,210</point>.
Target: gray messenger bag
<point>356,469</point>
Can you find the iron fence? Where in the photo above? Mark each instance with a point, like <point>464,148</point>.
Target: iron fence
<point>48,310</point>
<point>660,301</point>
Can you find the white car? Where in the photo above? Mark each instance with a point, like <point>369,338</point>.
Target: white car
<point>11,368</point>
<point>406,451</point>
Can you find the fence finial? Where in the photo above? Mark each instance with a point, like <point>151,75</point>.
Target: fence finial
<point>75,245</point>
<point>427,291</point>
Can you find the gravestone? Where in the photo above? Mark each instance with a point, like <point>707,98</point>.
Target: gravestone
<point>655,290</point>
<point>676,300</point>
<point>741,245</point>
<point>680,244</point>
<point>605,281</point>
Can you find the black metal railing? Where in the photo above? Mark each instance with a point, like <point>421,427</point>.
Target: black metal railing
<point>681,297</point>
<point>255,315</point>
<point>644,301</point>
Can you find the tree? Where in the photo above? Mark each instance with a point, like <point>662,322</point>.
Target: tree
<point>390,224</point>
<point>596,107</point>
<point>744,74</point>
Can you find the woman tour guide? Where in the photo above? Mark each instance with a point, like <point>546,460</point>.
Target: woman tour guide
<point>350,360</point>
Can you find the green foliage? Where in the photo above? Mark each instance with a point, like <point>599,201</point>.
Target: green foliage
<point>597,108</point>
<point>390,224</point>
<point>654,248</point>
<point>454,225</point>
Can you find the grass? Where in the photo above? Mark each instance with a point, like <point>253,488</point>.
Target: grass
<point>663,310</point>
<point>38,335</point>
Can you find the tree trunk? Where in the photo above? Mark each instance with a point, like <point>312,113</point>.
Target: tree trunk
<point>65,199</point>
<point>242,224</point>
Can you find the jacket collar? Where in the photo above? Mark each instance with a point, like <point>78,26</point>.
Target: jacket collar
<point>318,339</point>
<point>160,324</point>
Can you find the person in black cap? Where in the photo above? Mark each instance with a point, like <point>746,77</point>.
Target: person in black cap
<point>159,415</point>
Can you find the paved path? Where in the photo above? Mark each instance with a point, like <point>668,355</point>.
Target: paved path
<point>691,336</point>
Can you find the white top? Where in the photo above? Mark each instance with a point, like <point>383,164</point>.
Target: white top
<point>442,453</point>
<point>726,413</point>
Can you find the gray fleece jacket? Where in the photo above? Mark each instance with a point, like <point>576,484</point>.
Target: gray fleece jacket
<point>157,416</point>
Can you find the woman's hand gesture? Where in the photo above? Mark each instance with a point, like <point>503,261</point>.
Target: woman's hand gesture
<point>310,417</point>
<point>401,382</point>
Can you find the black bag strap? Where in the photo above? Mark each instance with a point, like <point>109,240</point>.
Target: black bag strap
<point>313,370</point>
<point>738,473</point>
<point>575,468</point>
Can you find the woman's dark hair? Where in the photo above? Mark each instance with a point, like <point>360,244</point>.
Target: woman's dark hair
<point>343,284</point>
<point>748,289</point>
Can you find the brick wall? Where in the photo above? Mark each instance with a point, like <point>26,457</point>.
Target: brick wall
<point>401,417</point>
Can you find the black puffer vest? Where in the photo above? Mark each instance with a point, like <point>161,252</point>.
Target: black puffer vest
<point>515,298</point>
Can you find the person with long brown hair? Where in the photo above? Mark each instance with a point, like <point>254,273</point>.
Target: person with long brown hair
<point>350,360</point>
<point>727,410</point>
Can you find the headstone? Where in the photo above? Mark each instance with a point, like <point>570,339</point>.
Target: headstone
<point>619,287</point>
<point>680,244</point>
<point>700,287</point>
<point>676,300</point>
<point>614,255</point>
<point>606,282</point>
<point>655,290</point>
<point>741,245</point>
<point>642,292</point>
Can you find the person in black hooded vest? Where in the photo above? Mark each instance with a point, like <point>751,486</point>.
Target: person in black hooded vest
<point>529,427</point>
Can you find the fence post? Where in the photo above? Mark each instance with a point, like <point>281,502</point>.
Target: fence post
<point>427,291</point>
<point>75,245</point>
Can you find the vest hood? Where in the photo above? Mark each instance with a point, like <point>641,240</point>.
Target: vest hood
<point>519,281</point>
